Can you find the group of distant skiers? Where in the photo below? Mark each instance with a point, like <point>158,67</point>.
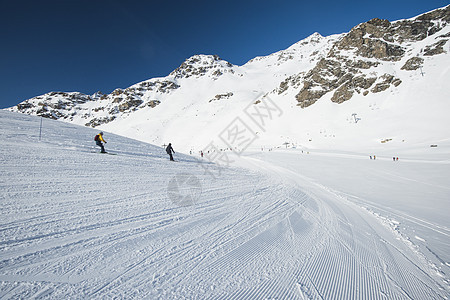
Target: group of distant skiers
<point>99,140</point>
<point>393,158</point>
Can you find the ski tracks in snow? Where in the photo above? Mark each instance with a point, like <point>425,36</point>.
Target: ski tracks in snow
<point>359,258</point>
<point>82,225</point>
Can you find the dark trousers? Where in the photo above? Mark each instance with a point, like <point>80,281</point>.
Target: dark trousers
<point>171,157</point>
<point>101,146</point>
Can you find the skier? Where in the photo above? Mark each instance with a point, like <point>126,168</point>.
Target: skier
<point>98,140</point>
<point>169,151</point>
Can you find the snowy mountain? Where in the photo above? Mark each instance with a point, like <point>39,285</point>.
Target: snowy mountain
<point>325,92</point>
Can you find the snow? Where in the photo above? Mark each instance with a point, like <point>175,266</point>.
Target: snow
<point>288,224</point>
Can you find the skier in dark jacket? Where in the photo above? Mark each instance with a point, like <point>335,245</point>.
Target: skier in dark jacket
<point>169,151</point>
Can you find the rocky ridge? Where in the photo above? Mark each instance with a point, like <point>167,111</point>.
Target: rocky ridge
<point>102,108</point>
<point>346,69</point>
<point>99,108</point>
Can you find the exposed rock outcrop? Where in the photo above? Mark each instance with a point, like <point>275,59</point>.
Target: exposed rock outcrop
<point>413,63</point>
<point>364,47</point>
<point>435,49</point>
<point>222,96</point>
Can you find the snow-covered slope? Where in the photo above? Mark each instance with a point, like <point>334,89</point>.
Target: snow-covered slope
<point>292,225</point>
<point>381,85</point>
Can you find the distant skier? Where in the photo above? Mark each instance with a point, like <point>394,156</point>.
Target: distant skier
<point>169,151</point>
<point>98,140</point>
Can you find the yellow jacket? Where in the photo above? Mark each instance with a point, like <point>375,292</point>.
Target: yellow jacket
<point>100,138</point>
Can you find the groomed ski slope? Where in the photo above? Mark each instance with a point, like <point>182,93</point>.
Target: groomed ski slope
<point>84,225</point>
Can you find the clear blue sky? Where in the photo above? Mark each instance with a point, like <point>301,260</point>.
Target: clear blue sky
<point>87,46</point>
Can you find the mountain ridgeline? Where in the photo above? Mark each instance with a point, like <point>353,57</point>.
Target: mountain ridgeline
<point>373,58</point>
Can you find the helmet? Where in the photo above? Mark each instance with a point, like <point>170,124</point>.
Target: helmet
<point>101,132</point>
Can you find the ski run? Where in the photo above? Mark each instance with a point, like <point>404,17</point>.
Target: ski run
<point>284,224</point>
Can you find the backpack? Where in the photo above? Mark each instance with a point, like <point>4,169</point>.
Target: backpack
<point>96,138</point>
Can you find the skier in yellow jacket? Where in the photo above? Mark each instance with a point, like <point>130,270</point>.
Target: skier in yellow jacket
<point>99,139</point>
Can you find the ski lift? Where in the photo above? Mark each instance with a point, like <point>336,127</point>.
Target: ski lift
<point>356,118</point>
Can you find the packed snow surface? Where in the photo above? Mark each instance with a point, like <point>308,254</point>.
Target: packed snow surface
<point>284,224</point>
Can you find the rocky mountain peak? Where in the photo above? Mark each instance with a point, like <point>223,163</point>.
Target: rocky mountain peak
<point>201,65</point>
<point>369,45</point>
<point>314,38</point>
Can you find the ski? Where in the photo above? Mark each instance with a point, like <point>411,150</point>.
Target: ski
<point>104,153</point>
